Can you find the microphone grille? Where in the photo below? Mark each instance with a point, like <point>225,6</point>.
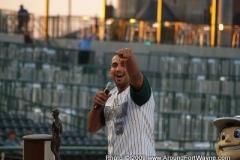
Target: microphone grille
<point>109,86</point>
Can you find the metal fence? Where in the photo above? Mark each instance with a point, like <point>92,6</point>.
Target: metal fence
<point>180,33</point>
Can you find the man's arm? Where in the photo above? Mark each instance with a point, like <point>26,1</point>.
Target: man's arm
<point>95,116</point>
<point>135,76</point>
<point>94,120</point>
<point>92,35</point>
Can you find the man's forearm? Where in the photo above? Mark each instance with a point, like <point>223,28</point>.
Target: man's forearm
<point>94,120</point>
<point>135,75</point>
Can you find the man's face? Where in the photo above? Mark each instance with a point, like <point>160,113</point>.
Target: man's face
<point>54,113</point>
<point>229,143</point>
<point>12,137</point>
<point>119,73</point>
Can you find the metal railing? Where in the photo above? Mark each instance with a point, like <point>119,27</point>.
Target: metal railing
<point>9,22</point>
<point>180,33</point>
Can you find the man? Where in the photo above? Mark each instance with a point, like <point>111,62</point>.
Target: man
<point>23,19</point>
<point>12,141</point>
<point>128,111</point>
<point>85,43</point>
<point>229,137</point>
<point>84,46</point>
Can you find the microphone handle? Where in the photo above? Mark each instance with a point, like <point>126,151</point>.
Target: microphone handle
<point>98,106</point>
<point>106,91</point>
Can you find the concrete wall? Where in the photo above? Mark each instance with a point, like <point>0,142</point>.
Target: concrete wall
<point>101,47</point>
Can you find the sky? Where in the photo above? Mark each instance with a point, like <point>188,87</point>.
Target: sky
<point>56,7</point>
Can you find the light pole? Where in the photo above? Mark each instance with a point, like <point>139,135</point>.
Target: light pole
<point>69,15</point>
<point>213,24</point>
<point>102,26</point>
<point>46,19</point>
<point>159,20</point>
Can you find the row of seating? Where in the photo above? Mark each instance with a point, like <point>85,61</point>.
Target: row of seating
<point>165,71</point>
<point>54,76</point>
<point>36,53</point>
<point>161,62</point>
<point>80,96</point>
<point>187,112</point>
<point>163,66</point>
<point>69,138</point>
<point>183,65</point>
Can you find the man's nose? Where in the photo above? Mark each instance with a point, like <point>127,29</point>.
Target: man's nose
<point>119,67</point>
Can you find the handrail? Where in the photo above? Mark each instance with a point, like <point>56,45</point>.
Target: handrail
<point>11,148</point>
<point>64,26</point>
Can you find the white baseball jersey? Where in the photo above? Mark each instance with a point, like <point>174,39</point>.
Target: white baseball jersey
<point>129,120</point>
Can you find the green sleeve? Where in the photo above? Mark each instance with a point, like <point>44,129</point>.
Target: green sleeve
<point>142,96</point>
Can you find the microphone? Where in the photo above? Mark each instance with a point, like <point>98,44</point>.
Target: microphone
<point>108,88</point>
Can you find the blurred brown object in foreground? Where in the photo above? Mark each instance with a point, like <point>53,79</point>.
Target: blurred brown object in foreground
<point>27,38</point>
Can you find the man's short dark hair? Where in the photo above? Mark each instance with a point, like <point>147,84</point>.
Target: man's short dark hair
<point>10,132</point>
